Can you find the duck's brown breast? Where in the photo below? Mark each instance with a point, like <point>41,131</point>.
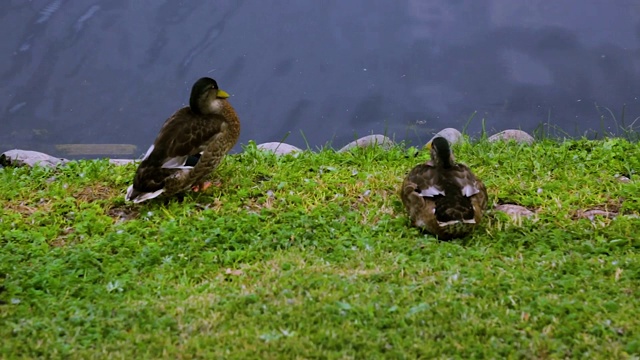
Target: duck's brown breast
<point>233,122</point>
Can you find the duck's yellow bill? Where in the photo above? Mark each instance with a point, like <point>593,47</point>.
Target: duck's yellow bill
<point>222,94</point>
<point>428,146</point>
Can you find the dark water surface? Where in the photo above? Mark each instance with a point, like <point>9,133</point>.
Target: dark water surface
<point>96,72</point>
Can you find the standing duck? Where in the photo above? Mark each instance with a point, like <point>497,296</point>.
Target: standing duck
<point>443,197</point>
<point>190,145</point>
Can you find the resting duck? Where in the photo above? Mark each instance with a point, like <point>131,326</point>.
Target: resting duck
<point>190,145</point>
<point>443,197</point>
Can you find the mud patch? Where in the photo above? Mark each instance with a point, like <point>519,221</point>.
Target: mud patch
<point>62,239</point>
<point>123,213</point>
<point>95,192</point>
<point>25,209</point>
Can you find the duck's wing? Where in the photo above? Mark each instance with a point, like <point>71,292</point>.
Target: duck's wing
<point>182,136</point>
<point>473,188</point>
<point>149,182</point>
<point>418,189</point>
<point>424,180</point>
<point>466,180</point>
<point>469,184</point>
<point>454,195</point>
<point>173,155</point>
<point>466,200</point>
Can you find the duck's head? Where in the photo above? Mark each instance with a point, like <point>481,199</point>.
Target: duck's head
<point>441,153</point>
<point>206,97</point>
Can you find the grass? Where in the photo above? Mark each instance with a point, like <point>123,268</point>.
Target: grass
<point>313,257</point>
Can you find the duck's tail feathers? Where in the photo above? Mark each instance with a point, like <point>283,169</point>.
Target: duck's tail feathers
<point>453,222</point>
<point>138,197</point>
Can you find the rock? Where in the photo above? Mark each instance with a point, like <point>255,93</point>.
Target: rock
<point>452,135</point>
<point>515,212</point>
<point>518,136</point>
<point>121,161</point>
<point>591,214</point>
<point>622,178</point>
<point>29,158</point>
<point>369,140</point>
<point>279,148</point>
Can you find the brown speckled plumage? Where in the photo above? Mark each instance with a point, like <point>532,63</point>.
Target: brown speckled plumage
<point>208,128</point>
<point>443,197</point>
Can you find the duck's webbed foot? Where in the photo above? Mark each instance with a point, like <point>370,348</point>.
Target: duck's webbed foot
<point>201,187</point>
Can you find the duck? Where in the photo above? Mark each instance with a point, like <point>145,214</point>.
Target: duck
<point>189,147</point>
<point>442,197</point>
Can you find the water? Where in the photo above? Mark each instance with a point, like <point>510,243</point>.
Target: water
<point>110,72</point>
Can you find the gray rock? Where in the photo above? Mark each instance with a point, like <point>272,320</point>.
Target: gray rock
<point>591,214</point>
<point>515,212</point>
<point>452,135</point>
<point>518,136</point>
<point>121,161</point>
<point>29,158</point>
<point>369,140</point>
<point>622,178</point>
<point>279,148</point>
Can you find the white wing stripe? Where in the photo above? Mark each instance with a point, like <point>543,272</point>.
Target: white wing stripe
<point>469,190</point>
<point>148,152</point>
<point>431,191</point>
<point>176,163</point>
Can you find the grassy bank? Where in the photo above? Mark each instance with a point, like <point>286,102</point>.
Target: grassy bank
<point>312,257</point>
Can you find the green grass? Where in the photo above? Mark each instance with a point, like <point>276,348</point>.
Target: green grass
<point>313,257</point>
